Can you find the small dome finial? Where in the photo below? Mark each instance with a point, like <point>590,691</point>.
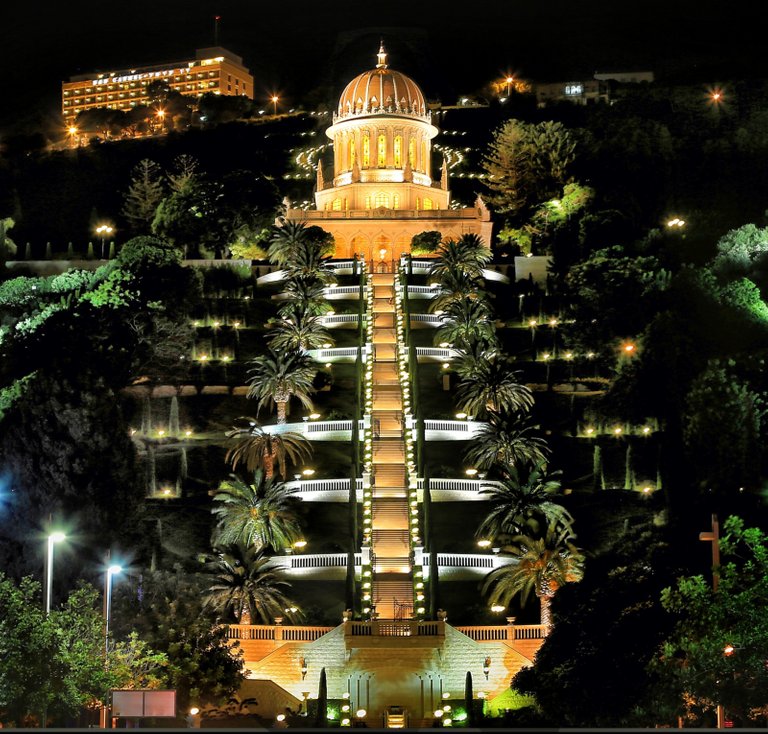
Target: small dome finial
<point>381,56</point>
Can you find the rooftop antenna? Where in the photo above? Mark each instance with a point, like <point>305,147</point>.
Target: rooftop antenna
<point>216,19</point>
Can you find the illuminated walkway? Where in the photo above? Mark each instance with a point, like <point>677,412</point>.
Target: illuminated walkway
<point>392,590</point>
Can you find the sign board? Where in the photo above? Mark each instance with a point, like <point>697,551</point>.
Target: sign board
<point>140,704</point>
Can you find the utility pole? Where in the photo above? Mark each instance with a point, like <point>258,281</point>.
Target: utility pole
<point>713,536</point>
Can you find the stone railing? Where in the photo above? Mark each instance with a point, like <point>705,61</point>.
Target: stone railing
<point>334,354</point>
<point>428,319</point>
<point>325,490</point>
<point>509,631</point>
<point>312,560</point>
<point>339,292</point>
<point>447,430</point>
<point>458,485</point>
<point>436,354</point>
<point>422,291</point>
<point>462,566</point>
<point>276,632</point>
<point>394,628</point>
<point>316,430</point>
<point>338,319</point>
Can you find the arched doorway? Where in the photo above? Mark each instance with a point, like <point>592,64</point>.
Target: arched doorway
<point>382,254</point>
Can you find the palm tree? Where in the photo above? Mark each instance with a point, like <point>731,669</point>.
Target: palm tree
<point>276,377</point>
<point>298,330</point>
<point>519,502</point>
<point>542,565</point>
<point>467,254</point>
<point>258,449</point>
<point>466,322</point>
<point>456,285</point>
<point>308,263</point>
<point>308,295</point>
<point>285,240</point>
<point>473,357</point>
<point>492,386</point>
<point>261,514</point>
<point>505,440</point>
<point>241,584</point>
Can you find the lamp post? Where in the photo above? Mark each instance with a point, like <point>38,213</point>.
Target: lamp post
<point>713,536</point>
<point>112,569</point>
<point>72,135</point>
<point>104,230</point>
<point>274,99</point>
<point>53,538</point>
<point>509,81</point>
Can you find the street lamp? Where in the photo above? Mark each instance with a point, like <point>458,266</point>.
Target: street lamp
<point>274,99</point>
<point>509,81</point>
<point>53,538</point>
<point>72,135</point>
<point>104,230</point>
<point>112,569</point>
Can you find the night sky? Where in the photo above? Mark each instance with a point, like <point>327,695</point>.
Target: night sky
<point>294,47</point>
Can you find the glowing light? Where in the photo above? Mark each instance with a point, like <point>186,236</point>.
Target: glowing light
<point>484,543</point>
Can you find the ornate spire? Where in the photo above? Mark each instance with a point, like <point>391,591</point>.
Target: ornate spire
<point>381,56</point>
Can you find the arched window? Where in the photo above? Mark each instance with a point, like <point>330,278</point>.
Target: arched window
<point>368,201</point>
<point>396,201</point>
<point>366,150</point>
<point>382,199</point>
<point>428,204</point>
<point>381,150</point>
<point>398,151</point>
<point>412,152</point>
<point>336,206</point>
<point>424,166</point>
<point>351,151</point>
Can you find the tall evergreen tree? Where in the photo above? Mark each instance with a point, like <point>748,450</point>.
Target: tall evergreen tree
<point>143,196</point>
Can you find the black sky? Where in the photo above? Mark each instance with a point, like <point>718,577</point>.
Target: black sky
<point>292,47</point>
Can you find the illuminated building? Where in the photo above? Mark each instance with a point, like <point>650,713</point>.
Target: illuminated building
<point>213,69</point>
<point>382,191</point>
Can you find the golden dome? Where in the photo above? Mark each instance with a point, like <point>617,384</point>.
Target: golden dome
<point>381,91</point>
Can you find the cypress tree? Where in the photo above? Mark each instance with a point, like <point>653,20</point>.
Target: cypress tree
<point>469,700</point>
<point>173,418</point>
<point>628,484</point>
<point>427,513</point>
<point>321,718</point>
<point>597,468</point>
<point>28,251</point>
<point>349,582</point>
<point>433,583</point>
<point>90,254</point>
<point>48,251</point>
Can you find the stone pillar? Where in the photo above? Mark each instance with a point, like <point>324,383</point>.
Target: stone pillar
<point>511,628</point>
<point>278,629</point>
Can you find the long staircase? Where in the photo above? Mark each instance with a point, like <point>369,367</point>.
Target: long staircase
<point>392,588</point>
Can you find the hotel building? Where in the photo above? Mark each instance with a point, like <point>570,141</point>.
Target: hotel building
<point>213,69</point>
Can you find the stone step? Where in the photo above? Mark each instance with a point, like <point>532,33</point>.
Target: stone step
<point>389,492</point>
<point>385,476</point>
<point>391,565</point>
<point>393,597</point>
<point>391,543</point>
<point>383,279</point>
<point>384,353</point>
